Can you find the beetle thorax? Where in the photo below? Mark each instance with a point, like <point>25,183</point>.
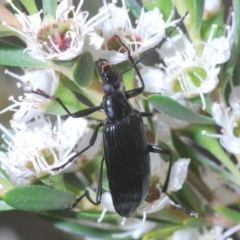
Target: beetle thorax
<point>116,106</point>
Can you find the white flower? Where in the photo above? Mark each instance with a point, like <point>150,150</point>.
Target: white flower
<point>149,31</point>
<point>188,72</point>
<point>31,105</point>
<point>217,233</point>
<point>37,147</point>
<point>60,38</point>
<point>134,228</point>
<point>229,120</point>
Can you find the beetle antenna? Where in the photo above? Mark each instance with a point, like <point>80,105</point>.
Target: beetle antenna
<point>156,46</point>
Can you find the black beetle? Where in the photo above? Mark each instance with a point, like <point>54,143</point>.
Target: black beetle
<point>126,151</point>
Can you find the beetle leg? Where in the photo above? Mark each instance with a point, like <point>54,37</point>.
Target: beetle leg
<point>91,142</point>
<point>98,190</point>
<point>78,114</point>
<point>157,149</point>
<point>146,114</point>
<point>190,212</point>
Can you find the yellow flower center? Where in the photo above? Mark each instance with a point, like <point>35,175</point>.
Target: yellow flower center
<point>189,78</point>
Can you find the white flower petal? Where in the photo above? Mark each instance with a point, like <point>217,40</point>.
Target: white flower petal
<point>63,9</point>
<point>186,234</point>
<point>178,174</point>
<point>220,114</point>
<point>107,202</point>
<point>234,98</point>
<point>153,79</point>
<point>231,143</point>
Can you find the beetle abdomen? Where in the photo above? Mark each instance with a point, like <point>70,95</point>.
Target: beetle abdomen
<point>128,162</point>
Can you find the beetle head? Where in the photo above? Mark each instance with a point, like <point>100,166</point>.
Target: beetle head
<point>109,77</point>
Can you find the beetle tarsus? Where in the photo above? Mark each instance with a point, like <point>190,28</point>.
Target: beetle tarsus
<point>183,208</point>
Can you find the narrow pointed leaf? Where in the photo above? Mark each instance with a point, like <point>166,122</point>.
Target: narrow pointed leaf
<point>195,133</point>
<point>174,109</point>
<point>229,213</point>
<point>83,70</point>
<point>134,7</point>
<point>38,198</point>
<point>12,55</point>
<point>185,151</point>
<point>49,7</point>
<point>196,11</point>
<point>80,227</point>
<point>195,222</point>
<point>236,41</point>
<point>4,32</point>
<point>216,19</point>
<point>162,232</point>
<point>30,5</point>
<point>194,20</point>
<point>189,151</point>
<point>165,6</point>
<point>67,97</point>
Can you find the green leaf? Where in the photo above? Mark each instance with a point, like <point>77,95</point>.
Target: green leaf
<point>81,227</point>
<point>211,144</point>
<point>49,7</point>
<point>134,7</point>
<point>165,6</point>
<point>193,152</point>
<point>194,20</point>
<point>38,198</point>
<point>185,151</point>
<point>4,206</point>
<point>195,222</point>
<point>5,33</point>
<point>83,70</point>
<point>30,5</point>
<point>93,93</point>
<point>207,25</point>
<point>196,11</point>
<point>167,216</point>
<point>67,97</point>
<point>188,197</point>
<point>12,55</point>
<point>162,232</point>
<point>73,183</point>
<point>54,181</point>
<point>174,109</point>
<point>229,213</point>
<point>90,214</point>
<point>236,42</point>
